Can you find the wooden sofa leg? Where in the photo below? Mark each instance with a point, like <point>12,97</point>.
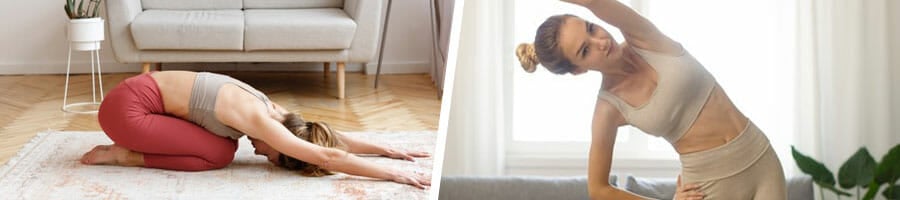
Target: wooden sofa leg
<point>145,68</point>
<point>340,81</point>
<point>326,69</point>
<point>158,66</point>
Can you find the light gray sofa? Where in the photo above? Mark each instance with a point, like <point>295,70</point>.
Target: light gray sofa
<point>573,188</point>
<point>159,31</point>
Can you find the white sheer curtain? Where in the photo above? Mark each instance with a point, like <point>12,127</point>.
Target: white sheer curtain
<point>845,79</point>
<point>478,109</point>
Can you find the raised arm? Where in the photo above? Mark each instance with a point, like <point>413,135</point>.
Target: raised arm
<point>638,31</point>
<point>604,127</point>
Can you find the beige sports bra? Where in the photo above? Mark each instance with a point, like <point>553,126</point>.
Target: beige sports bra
<point>683,88</point>
<point>202,105</point>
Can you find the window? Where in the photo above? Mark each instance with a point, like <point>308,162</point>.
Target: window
<point>747,45</point>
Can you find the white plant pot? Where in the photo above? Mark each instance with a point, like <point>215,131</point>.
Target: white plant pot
<point>86,34</point>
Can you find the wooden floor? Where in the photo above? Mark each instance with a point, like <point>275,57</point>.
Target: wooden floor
<point>31,104</point>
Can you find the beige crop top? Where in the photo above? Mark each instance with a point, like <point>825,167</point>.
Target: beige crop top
<point>202,105</point>
<point>683,88</point>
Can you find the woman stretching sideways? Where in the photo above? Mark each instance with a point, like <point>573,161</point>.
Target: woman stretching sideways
<point>651,82</point>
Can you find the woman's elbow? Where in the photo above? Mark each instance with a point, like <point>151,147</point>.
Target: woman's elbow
<point>600,191</point>
<point>327,157</point>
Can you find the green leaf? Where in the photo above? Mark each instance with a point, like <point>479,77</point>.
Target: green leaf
<point>69,14</point>
<point>892,192</point>
<point>889,169</point>
<point>80,11</point>
<point>820,174</point>
<point>858,170</point>
<point>70,5</point>
<point>70,9</point>
<point>833,189</point>
<point>873,190</point>
<point>96,8</point>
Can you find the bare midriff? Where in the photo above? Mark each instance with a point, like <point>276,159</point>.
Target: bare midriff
<point>175,88</point>
<point>718,122</point>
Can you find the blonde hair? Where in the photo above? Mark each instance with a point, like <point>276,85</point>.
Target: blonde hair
<point>545,49</point>
<point>527,57</point>
<point>317,133</point>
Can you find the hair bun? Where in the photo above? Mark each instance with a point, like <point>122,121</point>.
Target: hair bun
<point>527,56</point>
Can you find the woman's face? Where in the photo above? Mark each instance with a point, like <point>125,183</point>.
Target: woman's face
<point>261,148</point>
<point>587,46</point>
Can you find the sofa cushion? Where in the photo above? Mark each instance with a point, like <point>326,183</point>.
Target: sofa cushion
<point>189,30</point>
<point>298,29</point>
<point>290,4</point>
<point>661,188</point>
<point>191,4</point>
<point>515,187</point>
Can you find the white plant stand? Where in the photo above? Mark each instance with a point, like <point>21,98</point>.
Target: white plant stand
<point>85,35</point>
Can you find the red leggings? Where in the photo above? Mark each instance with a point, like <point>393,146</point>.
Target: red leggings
<point>133,116</point>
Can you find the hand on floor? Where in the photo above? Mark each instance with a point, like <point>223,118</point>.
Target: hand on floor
<point>414,179</point>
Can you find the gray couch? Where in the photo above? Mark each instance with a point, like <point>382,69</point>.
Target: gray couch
<point>574,188</point>
<point>158,31</point>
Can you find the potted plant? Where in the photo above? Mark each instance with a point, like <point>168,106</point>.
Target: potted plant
<point>860,171</point>
<point>85,25</point>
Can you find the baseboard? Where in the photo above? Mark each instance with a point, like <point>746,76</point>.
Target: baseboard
<point>412,67</point>
<point>115,67</point>
<point>301,67</point>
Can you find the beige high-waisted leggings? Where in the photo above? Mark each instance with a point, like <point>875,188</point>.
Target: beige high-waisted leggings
<point>743,168</point>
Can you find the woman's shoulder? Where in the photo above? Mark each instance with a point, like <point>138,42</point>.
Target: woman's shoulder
<point>663,46</point>
<point>607,109</point>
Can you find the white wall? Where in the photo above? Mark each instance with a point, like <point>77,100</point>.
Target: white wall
<point>408,44</point>
<point>34,41</point>
<point>894,63</point>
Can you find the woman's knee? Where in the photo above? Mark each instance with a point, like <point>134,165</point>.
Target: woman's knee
<point>221,158</point>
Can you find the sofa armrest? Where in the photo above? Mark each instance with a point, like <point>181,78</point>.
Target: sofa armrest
<point>120,14</point>
<point>368,16</point>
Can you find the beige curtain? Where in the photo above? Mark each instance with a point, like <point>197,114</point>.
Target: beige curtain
<point>443,19</point>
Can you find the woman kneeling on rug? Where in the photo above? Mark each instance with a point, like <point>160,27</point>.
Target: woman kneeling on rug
<point>191,121</point>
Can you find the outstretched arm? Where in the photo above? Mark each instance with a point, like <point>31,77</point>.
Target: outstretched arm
<point>274,134</point>
<point>359,146</point>
<point>638,31</point>
<point>604,127</point>
<point>255,121</point>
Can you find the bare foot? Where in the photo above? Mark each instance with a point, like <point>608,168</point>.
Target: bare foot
<point>108,155</point>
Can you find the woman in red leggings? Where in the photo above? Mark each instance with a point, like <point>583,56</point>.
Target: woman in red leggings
<point>189,121</point>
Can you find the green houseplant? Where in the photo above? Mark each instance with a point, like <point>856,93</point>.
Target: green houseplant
<point>85,28</point>
<point>80,11</point>
<point>859,171</point>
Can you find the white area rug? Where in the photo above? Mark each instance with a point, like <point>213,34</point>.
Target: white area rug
<point>48,168</point>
